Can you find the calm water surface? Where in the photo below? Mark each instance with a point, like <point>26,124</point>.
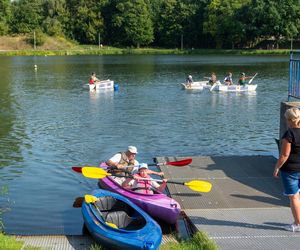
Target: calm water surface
<point>50,122</point>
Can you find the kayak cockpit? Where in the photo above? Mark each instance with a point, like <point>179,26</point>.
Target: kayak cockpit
<point>119,213</point>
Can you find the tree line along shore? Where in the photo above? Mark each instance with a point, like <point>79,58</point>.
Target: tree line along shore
<point>181,24</point>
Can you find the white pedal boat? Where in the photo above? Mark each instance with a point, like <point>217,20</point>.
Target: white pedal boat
<point>102,85</point>
<point>234,88</point>
<point>196,85</point>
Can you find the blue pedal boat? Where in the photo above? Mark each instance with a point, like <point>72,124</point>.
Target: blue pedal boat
<point>117,223</point>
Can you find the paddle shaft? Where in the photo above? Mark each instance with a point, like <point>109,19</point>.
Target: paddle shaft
<point>179,163</point>
<point>131,177</point>
<point>252,78</point>
<point>195,185</point>
<point>146,179</point>
<point>99,173</point>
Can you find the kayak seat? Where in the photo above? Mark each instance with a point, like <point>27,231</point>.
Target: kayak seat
<point>109,204</point>
<point>123,221</point>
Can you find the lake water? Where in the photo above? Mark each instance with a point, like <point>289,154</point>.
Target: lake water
<point>50,122</point>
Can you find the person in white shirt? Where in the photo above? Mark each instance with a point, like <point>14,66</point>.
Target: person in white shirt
<point>124,163</point>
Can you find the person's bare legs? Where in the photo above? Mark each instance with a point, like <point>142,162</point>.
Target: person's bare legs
<point>295,207</point>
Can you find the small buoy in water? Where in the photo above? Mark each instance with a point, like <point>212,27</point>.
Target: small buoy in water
<point>35,66</point>
<point>116,87</point>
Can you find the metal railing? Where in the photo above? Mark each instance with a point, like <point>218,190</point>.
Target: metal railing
<point>294,78</point>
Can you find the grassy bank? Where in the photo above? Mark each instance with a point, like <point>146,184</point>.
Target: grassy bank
<point>59,46</point>
<point>94,50</point>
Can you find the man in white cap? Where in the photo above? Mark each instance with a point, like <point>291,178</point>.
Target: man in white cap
<point>140,185</point>
<point>125,162</point>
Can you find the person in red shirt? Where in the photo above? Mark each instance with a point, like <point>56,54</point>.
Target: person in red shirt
<point>93,79</point>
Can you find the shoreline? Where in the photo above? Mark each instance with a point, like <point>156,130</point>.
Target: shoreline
<point>141,51</point>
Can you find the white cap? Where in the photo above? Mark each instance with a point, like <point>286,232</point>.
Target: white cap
<point>132,149</point>
<point>143,165</point>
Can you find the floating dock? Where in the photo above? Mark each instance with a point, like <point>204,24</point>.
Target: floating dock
<point>245,208</point>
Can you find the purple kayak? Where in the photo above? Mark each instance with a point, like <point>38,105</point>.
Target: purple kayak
<point>158,205</point>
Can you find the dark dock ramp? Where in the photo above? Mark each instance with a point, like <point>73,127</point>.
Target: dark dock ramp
<point>245,208</point>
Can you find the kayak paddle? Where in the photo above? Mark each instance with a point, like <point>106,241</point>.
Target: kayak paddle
<point>99,173</point>
<point>213,87</point>
<point>179,163</point>
<point>252,78</point>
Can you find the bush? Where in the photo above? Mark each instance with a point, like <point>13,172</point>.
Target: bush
<point>40,38</point>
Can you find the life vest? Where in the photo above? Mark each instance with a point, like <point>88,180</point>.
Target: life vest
<point>142,186</point>
<point>125,162</point>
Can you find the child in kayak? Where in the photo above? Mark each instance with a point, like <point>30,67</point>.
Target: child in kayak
<point>143,186</point>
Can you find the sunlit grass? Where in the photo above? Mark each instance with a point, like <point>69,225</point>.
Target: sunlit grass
<point>11,243</point>
<point>199,241</point>
<point>94,50</point>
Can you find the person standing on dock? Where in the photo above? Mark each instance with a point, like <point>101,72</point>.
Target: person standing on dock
<point>289,165</point>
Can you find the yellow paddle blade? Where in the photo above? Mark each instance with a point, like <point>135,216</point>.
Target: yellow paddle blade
<point>199,186</point>
<point>94,172</point>
<point>90,198</point>
<point>111,224</point>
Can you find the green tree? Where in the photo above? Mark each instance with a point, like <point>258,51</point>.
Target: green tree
<point>26,15</point>
<point>175,17</point>
<point>132,22</point>
<point>5,14</point>
<point>265,19</point>
<point>220,22</point>
<point>85,20</point>
<point>55,17</point>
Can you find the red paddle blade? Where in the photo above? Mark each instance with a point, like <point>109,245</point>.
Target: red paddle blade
<point>180,163</point>
<point>77,169</point>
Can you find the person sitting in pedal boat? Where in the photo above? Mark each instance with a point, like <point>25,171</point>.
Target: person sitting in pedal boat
<point>93,78</point>
<point>242,79</point>
<point>228,79</point>
<point>189,81</point>
<point>213,79</point>
<point>138,184</point>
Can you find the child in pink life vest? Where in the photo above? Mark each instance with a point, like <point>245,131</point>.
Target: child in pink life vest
<point>143,186</point>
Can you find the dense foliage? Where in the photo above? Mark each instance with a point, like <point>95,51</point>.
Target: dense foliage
<point>156,23</point>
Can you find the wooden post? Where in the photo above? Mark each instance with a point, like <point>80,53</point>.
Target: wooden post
<point>181,42</point>
<point>34,41</point>
<point>99,41</point>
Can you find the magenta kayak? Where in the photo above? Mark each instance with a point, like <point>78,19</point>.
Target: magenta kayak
<point>158,205</point>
